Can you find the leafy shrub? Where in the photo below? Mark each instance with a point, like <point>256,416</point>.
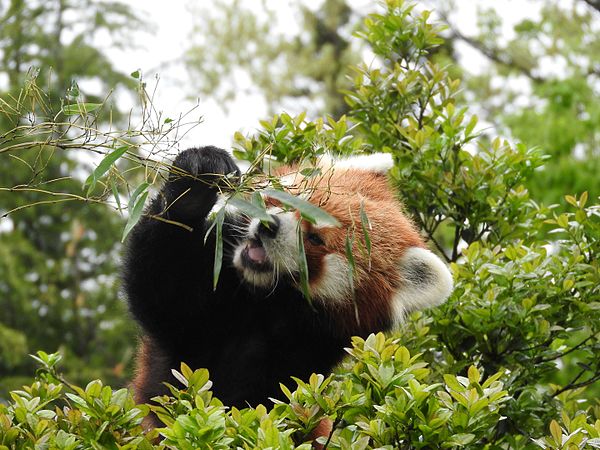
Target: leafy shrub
<point>386,400</point>
<point>513,352</point>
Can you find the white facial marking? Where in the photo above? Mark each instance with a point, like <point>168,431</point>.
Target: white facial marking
<point>281,250</point>
<point>334,284</point>
<point>426,282</point>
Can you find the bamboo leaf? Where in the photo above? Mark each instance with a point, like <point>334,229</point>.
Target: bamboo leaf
<point>80,108</point>
<point>302,265</point>
<point>251,209</point>
<point>366,227</point>
<point>104,167</point>
<point>115,192</point>
<point>135,208</point>
<point>351,272</point>
<point>258,200</point>
<point>309,211</point>
<point>218,262</point>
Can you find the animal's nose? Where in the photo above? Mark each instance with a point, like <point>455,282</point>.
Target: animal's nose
<point>270,229</point>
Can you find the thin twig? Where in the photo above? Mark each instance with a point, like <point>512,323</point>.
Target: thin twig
<point>572,385</point>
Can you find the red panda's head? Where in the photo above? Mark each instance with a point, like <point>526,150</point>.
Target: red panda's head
<point>397,276</point>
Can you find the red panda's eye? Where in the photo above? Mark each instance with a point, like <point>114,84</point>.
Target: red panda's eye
<point>314,239</point>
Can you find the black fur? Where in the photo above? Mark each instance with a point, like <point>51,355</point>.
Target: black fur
<point>249,340</point>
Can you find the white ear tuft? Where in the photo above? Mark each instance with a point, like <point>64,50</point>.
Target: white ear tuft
<point>376,162</point>
<point>426,282</point>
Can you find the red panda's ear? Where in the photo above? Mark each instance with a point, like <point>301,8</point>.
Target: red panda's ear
<point>375,162</point>
<point>426,282</point>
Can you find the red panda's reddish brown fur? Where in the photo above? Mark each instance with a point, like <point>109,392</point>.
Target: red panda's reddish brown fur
<point>343,194</point>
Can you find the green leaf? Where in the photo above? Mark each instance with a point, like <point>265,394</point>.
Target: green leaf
<point>563,221</point>
<point>352,269</point>
<point>571,200</point>
<point>349,256</point>
<point>453,383</point>
<point>471,125</point>
<point>461,439</point>
<point>366,227</point>
<point>135,208</point>
<point>104,167</point>
<point>218,262</point>
<point>473,374</point>
<point>556,431</point>
<point>302,264</point>
<point>115,192</point>
<point>251,209</point>
<point>80,108</point>
<point>309,211</point>
<point>583,199</point>
<point>311,172</point>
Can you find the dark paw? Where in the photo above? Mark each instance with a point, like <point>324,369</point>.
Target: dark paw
<point>210,161</point>
<point>195,178</point>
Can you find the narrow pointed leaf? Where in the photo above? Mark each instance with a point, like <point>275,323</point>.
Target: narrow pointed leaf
<point>303,265</point>
<point>136,207</point>
<point>80,108</point>
<point>104,167</point>
<point>251,209</point>
<point>218,263</point>
<point>309,211</point>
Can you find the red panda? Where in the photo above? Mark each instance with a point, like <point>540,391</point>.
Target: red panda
<point>256,329</point>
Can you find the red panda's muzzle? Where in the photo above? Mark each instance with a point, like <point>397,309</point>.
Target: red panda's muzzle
<point>255,255</point>
<point>269,251</point>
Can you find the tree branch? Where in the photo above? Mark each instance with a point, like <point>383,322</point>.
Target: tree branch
<point>573,385</point>
<point>493,54</point>
<point>560,355</point>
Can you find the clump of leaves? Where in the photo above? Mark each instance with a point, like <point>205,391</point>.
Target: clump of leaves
<point>387,399</point>
<point>52,413</point>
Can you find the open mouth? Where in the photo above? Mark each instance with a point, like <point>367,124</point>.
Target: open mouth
<point>255,257</point>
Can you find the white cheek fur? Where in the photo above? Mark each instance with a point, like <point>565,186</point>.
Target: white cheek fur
<point>283,249</point>
<point>334,283</point>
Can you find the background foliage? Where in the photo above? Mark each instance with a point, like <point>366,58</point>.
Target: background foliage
<point>58,283</point>
<point>510,361</point>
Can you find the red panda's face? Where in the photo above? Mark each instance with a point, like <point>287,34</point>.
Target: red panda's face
<point>397,275</point>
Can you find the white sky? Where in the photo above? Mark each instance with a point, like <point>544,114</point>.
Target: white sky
<point>158,48</point>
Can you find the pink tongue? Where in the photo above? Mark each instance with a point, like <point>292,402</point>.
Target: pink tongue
<point>257,254</point>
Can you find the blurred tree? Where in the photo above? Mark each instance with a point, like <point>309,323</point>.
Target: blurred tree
<point>306,67</point>
<point>541,87</point>
<point>57,265</point>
